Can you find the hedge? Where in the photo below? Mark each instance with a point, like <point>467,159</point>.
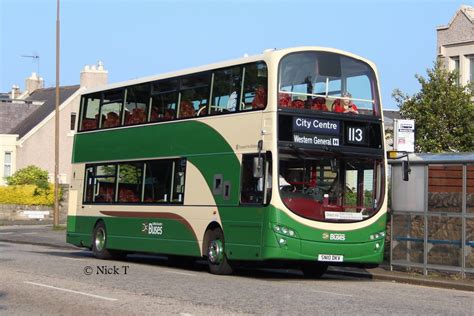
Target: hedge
<point>27,195</point>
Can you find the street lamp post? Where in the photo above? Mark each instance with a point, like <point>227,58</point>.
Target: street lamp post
<point>56,127</point>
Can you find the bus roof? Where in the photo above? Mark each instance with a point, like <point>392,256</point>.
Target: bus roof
<point>266,55</point>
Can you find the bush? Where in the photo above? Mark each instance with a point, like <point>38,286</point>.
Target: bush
<point>27,195</point>
<point>28,186</point>
<point>30,175</point>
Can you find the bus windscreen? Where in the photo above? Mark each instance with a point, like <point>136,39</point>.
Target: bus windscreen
<point>331,189</point>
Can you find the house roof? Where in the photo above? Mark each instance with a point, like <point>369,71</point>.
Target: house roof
<point>4,96</point>
<point>14,112</point>
<point>49,97</point>
<point>468,12</point>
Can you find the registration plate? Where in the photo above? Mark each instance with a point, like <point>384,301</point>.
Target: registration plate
<point>331,258</point>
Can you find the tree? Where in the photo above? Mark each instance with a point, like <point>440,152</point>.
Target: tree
<point>30,175</point>
<point>442,110</point>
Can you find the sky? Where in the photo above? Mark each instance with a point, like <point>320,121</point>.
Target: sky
<point>137,38</point>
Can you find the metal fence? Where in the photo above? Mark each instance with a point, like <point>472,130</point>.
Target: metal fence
<point>432,222</point>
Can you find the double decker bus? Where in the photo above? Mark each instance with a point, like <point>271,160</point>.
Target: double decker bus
<point>274,158</point>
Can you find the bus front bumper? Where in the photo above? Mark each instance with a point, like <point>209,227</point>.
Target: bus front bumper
<point>370,252</point>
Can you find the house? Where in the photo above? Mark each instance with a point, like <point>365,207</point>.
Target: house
<point>27,124</point>
<point>455,45</point>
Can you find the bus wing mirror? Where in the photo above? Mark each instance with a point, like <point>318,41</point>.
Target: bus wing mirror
<point>258,167</point>
<point>406,170</point>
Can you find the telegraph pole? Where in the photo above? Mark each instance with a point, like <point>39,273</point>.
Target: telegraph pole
<point>56,127</point>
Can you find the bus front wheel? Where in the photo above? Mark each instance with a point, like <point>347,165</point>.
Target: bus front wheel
<point>216,258</point>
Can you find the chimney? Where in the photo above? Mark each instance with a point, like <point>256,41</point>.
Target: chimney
<point>15,92</point>
<point>34,82</point>
<point>94,76</point>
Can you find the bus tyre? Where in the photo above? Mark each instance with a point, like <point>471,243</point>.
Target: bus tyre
<point>216,258</point>
<point>99,242</point>
<point>314,270</point>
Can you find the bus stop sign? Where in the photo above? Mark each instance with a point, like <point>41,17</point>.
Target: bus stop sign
<point>404,135</point>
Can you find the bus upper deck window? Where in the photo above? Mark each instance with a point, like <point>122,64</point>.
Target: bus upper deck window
<point>254,86</point>
<point>111,108</point>
<point>318,80</point>
<point>90,111</point>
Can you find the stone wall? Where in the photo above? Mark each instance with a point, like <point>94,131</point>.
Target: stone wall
<point>14,213</point>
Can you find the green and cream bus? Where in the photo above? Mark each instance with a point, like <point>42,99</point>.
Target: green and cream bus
<point>274,158</point>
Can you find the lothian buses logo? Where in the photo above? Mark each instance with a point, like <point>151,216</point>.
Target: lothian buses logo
<point>334,236</point>
<point>152,228</point>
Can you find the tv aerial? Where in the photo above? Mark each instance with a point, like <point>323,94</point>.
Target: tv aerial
<point>36,59</point>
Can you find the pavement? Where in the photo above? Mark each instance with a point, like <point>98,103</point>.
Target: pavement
<point>45,235</point>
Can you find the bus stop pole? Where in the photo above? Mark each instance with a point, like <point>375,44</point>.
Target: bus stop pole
<point>463,221</point>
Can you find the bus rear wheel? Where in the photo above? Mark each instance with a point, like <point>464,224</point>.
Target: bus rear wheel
<point>314,270</point>
<point>99,244</point>
<point>216,258</point>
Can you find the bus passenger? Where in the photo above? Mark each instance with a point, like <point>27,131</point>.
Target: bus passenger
<point>186,109</point>
<point>169,114</point>
<point>319,104</point>
<point>260,100</point>
<point>284,100</point>
<point>346,105</point>
<point>112,120</point>
<point>297,104</point>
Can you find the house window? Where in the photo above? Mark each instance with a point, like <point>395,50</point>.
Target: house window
<point>457,69</point>
<point>73,120</point>
<point>7,164</point>
<point>471,70</point>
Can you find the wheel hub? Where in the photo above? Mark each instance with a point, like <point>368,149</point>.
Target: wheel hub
<point>100,239</point>
<point>215,253</point>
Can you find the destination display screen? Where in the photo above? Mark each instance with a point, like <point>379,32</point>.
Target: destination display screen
<point>316,131</point>
<point>315,125</point>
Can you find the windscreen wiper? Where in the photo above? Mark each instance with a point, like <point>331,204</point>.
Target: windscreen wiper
<point>299,153</point>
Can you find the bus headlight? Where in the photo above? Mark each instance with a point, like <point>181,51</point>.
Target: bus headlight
<point>280,229</point>
<point>378,235</point>
<point>282,241</point>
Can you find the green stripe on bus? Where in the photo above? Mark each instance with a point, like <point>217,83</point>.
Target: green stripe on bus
<point>130,234</point>
<point>202,145</point>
